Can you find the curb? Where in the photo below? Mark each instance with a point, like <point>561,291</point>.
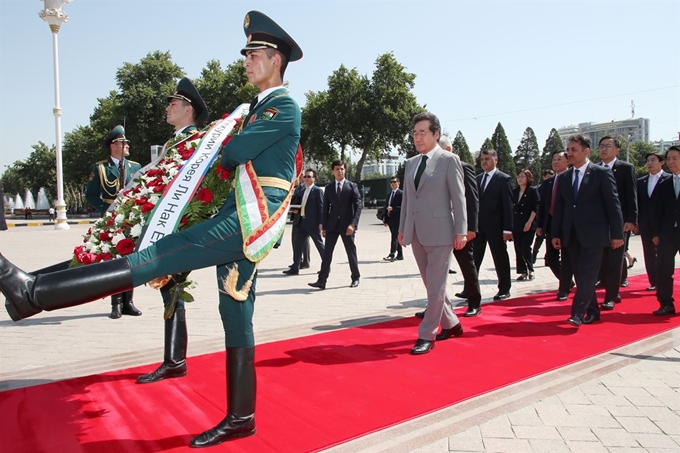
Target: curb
<point>48,223</point>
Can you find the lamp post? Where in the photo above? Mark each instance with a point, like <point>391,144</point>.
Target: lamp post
<point>54,15</point>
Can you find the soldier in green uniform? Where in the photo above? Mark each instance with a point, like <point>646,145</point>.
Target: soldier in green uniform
<point>185,109</point>
<point>108,177</point>
<point>267,147</point>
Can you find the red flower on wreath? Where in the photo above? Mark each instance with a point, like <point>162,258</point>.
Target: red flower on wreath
<point>88,258</point>
<point>141,200</point>
<point>125,246</point>
<point>147,207</point>
<point>205,196</point>
<point>110,222</point>
<point>104,257</point>
<point>222,172</point>
<point>104,236</point>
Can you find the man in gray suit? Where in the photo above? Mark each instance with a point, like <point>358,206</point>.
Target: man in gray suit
<point>434,221</point>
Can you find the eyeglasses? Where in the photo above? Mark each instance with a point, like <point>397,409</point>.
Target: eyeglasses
<point>306,177</point>
<point>605,146</point>
<point>393,182</point>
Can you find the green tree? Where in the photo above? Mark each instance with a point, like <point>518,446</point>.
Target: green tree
<point>527,154</point>
<point>12,182</point>
<point>502,146</point>
<point>82,148</point>
<point>552,144</point>
<point>461,148</point>
<point>39,170</point>
<point>223,90</point>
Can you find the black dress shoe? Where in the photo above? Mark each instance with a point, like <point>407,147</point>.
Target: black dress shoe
<point>618,299</point>
<point>304,266</point>
<point>462,295</point>
<point>574,321</point>
<point>317,284</point>
<point>455,331</point>
<point>354,283</point>
<point>471,312</point>
<point>399,258</point>
<point>420,314</point>
<point>451,271</point>
<point>129,309</point>
<point>608,305</point>
<point>650,288</point>
<point>562,296</point>
<point>501,296</point>
<point>591,318</point>
<point>665,311</point>
<point>291,272</point>
<point>422,347</point>
<point>389,258</point>
<point>116,311</point>
<point>522,278</point>
<point>624,284</point>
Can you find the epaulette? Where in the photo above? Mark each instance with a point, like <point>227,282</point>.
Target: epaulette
<point>133,162</point>
<point>101,162</point>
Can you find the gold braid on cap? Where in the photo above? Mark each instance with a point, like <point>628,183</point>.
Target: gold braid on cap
<point>231,280</point>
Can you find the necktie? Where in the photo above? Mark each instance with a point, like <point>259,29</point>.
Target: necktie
<point>121,172</point>
<point>552,198</point>
<point>389,202</point>
<point>338,190</point>
<point>575,183</point>
<point>676,185</point>
<point>254,103</point>
<point>304,201</point>
<point>421,170</point>
<point>483,188</point>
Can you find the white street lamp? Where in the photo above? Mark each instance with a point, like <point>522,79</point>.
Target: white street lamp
<point>54,15</point>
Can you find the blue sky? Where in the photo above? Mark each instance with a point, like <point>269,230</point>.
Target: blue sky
<point>523,63</point>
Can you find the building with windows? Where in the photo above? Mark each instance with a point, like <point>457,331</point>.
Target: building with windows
<point>631,129</point>
<point>387,167</point>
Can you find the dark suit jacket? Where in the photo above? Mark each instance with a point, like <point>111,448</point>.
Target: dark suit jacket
<point>647,204</point>
<point>395,202</point>
<point>313,208</point>
<point>667,212</point>
<point>339,214</point>
<point>523,207</point>
<point>595,215</point>
<point>495,204</point>
<point>624,173</point>
<point>545,196</point>
<point>471,196</point>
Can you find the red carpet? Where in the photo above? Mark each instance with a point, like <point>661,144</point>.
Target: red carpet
<point>321,390</point>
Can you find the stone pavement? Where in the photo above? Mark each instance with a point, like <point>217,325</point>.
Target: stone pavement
<point>624,400</point>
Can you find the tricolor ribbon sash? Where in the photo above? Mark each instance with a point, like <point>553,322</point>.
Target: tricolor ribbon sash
<point>168,212</point>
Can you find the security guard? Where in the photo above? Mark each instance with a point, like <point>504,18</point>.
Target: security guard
<point>107,178</point>
<point>266,155</point>
<point>185,108</point>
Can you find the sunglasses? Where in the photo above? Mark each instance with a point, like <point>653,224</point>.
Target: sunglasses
<point>306,177</point>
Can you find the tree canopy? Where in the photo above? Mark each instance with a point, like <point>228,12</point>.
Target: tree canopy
<point>527,154</point>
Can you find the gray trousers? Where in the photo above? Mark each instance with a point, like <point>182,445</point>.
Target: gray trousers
<point>433,263</point>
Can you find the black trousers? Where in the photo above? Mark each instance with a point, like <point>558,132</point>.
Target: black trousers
<point>611,273</point>
<point>666,260</point>
<point>499,252</point>
<point>559,264</point>
<point>466,262</point>
<point>304,258</point>
<point>395,246</point>
<point>301,242</point>
<point>350,248</point>
<point>585,263</point>
<point>522,242</point>
<point>649,251</point>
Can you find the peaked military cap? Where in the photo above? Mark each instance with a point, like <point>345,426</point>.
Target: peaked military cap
<point>264,33</point>
<point>116,134</point>
<point>186,91</point>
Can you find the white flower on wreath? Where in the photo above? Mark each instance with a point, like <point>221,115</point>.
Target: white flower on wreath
<point>106,248</point>
<point>136,230</point>
<point>117,238</point>
<point>120,218</point>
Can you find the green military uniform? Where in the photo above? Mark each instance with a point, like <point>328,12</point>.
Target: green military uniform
<point>270,143</point>
<point>105,181</point>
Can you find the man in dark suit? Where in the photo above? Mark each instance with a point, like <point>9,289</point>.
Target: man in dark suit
<point>647,195</point>
<point>295,219</point>
<point>667,232</point>
<point>495,220</point>
<point>586,219</point>
<point>547,174</point>
<point>557,260</point>
<point>613,272</point>
<point>308,219</point>
<point>340,218</point>
<point>391,216</point>
<point>433,221</point>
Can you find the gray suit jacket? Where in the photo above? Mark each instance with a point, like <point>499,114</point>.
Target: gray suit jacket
<point>437,209</point>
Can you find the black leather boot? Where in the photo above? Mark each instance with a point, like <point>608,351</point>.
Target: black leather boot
<point>28,295</point>
<point>174,359</point>
<point>240,420</point>
<point>117,306</point>
<point>128,307</point>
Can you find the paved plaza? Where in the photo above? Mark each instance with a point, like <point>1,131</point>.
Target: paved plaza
<point>627,400</point>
